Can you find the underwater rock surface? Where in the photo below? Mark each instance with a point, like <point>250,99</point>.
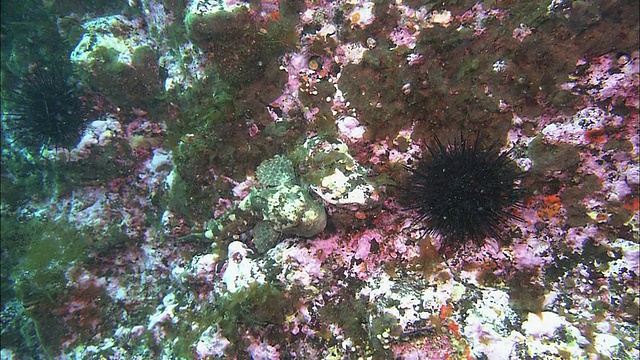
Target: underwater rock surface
<point>234,193</point>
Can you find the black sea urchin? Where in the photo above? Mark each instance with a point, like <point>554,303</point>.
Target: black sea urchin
<point>464,192</point>
<point>45,110</point>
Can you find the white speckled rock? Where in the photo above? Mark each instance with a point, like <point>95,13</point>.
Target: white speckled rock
<point>114,33</point>
<point>241,271</point>
<point>342,180</point>
<point>289,209</point>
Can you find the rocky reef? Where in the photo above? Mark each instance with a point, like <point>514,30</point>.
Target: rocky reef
<point>234,191</point>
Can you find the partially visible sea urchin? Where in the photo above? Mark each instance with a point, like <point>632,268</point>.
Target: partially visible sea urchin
<point>45,109</point>
<point>464,192</point>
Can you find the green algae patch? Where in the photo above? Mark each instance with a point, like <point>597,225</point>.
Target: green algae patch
<point>119,61</point>
<point>252,308</point>
<point>243,50</point>
<point>37,254</point>
<point>127,86</point>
